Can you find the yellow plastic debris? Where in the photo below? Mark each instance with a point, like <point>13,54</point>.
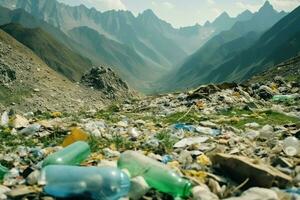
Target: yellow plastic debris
<point>56,114</point>
<point>198,176</point>
<point>203,160</point>
<point>236,94</point>
<point>77,134</point>
<point>200,105</point>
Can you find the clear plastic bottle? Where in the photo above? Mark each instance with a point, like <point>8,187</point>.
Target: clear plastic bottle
<point>156,174</point>
<point>63,181</point>
<point>3,171</point>
<point>73,154</point>
<point>291,146</point>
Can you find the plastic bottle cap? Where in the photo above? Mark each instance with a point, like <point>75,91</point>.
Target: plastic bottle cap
<point>290,151</point>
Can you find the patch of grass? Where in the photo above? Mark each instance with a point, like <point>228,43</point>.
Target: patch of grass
<point>166,141</point>
<point>262,118</point>
<point>117,141</point>
<point>8,96</point>
<point>181,117</point>
<point>109,114</point>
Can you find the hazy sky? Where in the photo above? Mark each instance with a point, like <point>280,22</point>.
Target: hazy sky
<point>186,12</point>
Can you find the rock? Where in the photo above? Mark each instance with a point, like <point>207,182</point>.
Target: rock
<point>20,122</point>
<point>133,133</point>
<point>7,75</point>
<point>32,179</point>
<point>253,125</point>
<point>265,92</point>
<point>202,192</point>
<point>266,132</point>
<point>252,134</point>
<point>4,190</point>
<point>139,188</point>
<point>105,80</point>
<point>21,191</point>
<point>4,119</point>
<point>240,168</point>
<point>110,153</point>
<point>190,141</point>
<point>257,193</point>
<point>31,129</point>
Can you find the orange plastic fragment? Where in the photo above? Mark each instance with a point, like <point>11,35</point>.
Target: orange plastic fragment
<point>77,134</point>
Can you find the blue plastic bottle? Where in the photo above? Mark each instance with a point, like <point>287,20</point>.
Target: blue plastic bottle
<point>85,182</point>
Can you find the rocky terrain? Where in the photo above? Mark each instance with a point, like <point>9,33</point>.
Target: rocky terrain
<point>28,84</point>
<point>230,141</point>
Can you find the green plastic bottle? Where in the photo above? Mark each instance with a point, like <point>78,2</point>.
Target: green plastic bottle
<point>73,154</point>
<point>3,171</point>
<point>156,174</point>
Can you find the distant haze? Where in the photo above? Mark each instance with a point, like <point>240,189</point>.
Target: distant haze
<point>185,12</point>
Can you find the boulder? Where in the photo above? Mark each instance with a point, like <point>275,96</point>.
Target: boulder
<point>240,168</point>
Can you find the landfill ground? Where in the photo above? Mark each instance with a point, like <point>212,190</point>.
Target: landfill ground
<point>228,140</point>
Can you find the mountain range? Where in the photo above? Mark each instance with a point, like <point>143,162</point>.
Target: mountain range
<point>148,52</point>
<point>148,47</point>
<point>200,67</point>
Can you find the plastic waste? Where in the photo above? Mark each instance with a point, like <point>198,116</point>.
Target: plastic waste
<point>190,141</point>
<point>295,191</point>
<point>184,127</point>
<point>166,159</point>
<point>284,98</point>
<point>3,171</point>
<point>156,174</point>
<point>86,182</point>
<point>31,129</point>
<point>77,134</point>
<point>74,154</point>
<point>208,131</point>
<point>4,119</point>
<point>291,146</point>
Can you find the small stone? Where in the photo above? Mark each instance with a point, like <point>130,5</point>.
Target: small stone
<point>202,192</point>
<point>139,188</point>
<point>21,191</point>
<point>32,179</point>
<point>190,141</point>
<point>257,193</point>
<point>4,190</point>
<point>20,122</point>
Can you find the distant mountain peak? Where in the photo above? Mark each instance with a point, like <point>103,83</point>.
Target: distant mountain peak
<point>148,12</point>
<point>247,14</point>
<point>266,7</point>
<point>224,15</point>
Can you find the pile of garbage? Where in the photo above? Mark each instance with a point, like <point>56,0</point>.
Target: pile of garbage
<point>222,141</point>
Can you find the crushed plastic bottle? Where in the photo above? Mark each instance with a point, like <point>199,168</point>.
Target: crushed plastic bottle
<point>4,119</point>
<point>77,134</point>
<point>156,174</point>
<point>30,129</point>
<point>86,182</point>
<point>284,98</point>
<point>3,171</point>
<point>184,127</point>
<point>73,154</point>
<point>291,146</point>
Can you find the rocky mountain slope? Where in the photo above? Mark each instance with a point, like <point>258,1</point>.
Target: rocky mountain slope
<point>57,56</point>
<point>289,70</point>
<point>224,47</point>
<point>277,44</point>
<point>27,83</point>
